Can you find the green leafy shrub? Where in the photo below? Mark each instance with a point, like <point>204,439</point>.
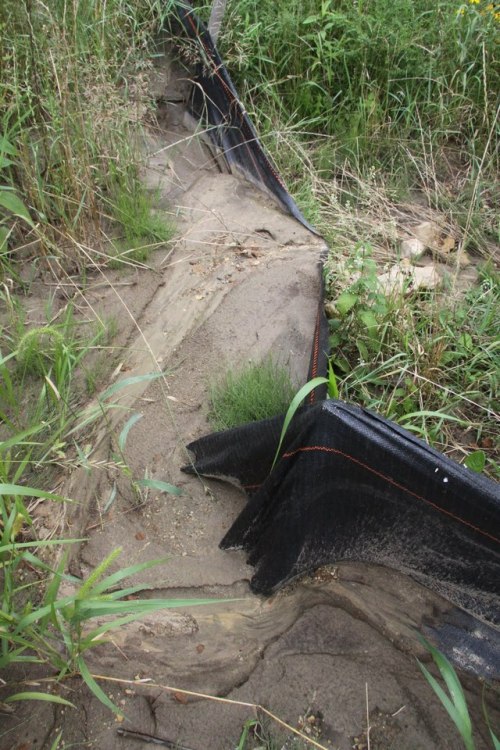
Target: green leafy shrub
<point>427,360</point>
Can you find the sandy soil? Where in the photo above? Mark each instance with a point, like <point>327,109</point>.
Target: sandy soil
<point>242,280</point>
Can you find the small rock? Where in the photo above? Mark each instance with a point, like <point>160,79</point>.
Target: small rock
<point>428,234</point>
<point>447,244</point>
<point>425,278</point>
<point>180,697</point>
<point>412,248</point>
<point>330,310</point>
<point>405,279</point>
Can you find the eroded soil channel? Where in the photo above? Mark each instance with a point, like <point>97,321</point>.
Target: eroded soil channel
<point>241,281</point>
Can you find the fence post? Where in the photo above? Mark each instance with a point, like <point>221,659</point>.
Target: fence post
<point>216,16</point>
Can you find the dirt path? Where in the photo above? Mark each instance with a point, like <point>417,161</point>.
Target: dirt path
<point>241,281</point>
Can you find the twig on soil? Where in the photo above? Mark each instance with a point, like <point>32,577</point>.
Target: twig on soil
<point>151,739</point>
<point>367,719</point>
<point>217,699</point>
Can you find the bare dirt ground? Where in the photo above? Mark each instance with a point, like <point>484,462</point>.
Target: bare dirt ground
<point>333,654</point>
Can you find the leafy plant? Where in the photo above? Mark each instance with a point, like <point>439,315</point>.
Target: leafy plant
<point>360,306</point>
<point>453,699</point>
<point>57,633</point>
<point>400,354</point>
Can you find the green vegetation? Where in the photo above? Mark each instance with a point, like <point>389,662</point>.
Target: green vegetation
<point>453,698</point>
<point>143,229</point>
<point>378,114</point>
<point>72,94</point>
<point>60,629</point>
<point>256,391</point>
<point>383,79</point>
<point>73,99</point>
<point>381,116</point>
<point>428,360</point>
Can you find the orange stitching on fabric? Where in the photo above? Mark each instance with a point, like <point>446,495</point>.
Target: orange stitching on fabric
<point>314,368</point>
<point>391,481</point>
<point>233,99</point>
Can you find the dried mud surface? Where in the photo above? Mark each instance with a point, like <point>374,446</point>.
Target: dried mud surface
<point>241,281</point>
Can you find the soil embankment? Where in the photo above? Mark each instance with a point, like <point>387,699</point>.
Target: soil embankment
<point>241,281</point>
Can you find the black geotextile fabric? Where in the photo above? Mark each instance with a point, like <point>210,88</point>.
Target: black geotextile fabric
<point>351,485</point>
<point>215,103</point>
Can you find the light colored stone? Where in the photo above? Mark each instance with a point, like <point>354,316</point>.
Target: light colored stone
<point>403,279</point>
<point>428,233</point>
<point>412,248</point>
<point>331,310</point>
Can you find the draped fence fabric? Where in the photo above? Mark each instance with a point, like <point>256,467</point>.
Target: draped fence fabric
<point>349,485</point>
<point>215,103</point>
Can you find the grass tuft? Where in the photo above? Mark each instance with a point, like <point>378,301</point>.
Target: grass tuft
<point>257,391</point>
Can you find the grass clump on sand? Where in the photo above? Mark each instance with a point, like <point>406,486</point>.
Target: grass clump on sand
<point>141,228</point>
<point>257,391</point>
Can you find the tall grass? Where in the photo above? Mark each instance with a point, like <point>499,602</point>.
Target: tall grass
<point>375,74</point>
<point>380,116</point>
<point>72,91</point>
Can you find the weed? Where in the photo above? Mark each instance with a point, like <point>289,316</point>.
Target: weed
<point>143,229</point>
<point>454,700</point>
<point>39,350</point>
<point>257,391</point>
<point>72,94</point>
<point>428,361</point>
<point>57,632</point>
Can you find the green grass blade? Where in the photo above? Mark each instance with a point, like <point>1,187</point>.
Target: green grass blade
<point>455,704</point>
<point>20,437</point>
<point>40,613</point>
<point>12,203</point>
<point>296,402</point>
<point>157,484</point>
<point>454,687</point>
<point>86,610</point>
<point>12,547</point>
<point>19,491</point>
<point>122,439</point>
<point>435,414</point>
<point>88,587</point>
<point>34,696</point>
<point>92,415</point>
<point>333,389</point>
<point>94,687</point>
<point>115,578</point>
<point>130,381</point>
<point>244,734</point>
<point>494,738</point>
<point>450,707</point>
